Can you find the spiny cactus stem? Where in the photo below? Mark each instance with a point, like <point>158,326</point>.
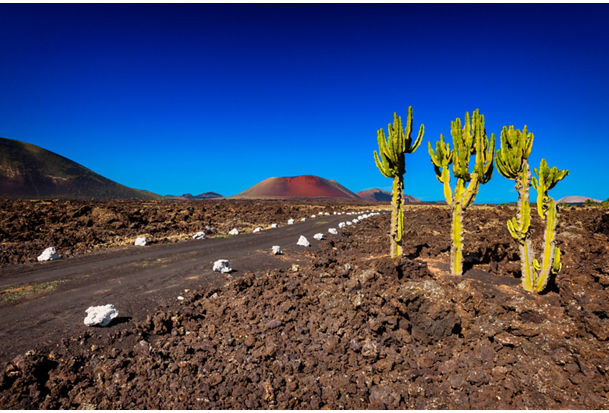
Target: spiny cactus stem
<point>523,219</point>
<point>456,248</point>
<point>549,247</point>
<point>397,216</point>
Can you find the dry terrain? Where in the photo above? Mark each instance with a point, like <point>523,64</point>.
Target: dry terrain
<point>352,328</point>
<point>77,227</point>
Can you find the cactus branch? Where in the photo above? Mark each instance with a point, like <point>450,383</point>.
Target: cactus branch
<point>390,161</point>
<point>469,138</point>
<point>512,163</point>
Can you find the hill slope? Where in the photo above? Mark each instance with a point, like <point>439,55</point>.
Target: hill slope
<point>303,186</point>
<point>191,197</point>
<point>29,171</point>
<point>378,195</point>
<point>576,199</point>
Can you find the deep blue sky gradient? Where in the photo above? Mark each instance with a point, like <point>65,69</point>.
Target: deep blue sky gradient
<point>202,97</point>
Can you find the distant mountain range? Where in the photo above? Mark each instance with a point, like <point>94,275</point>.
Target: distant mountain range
<point>303,186</point>
<point>29,171</point>
<point>379,195</point>
<point>189,197</point>
<point>576,199</point>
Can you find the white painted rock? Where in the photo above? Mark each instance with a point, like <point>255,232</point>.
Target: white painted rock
<point>349,223</point>
<point>276,249</point>
<point>326,213</point>
<point>141,241</point>
<point>303,241</point>
<point>332,231</point>
<point>222,266</point>
<point>100,315</point>
<point>290,221</point>
<point>303,219</point>
<point>355,221</point>
<point>341,224</point>
<point>48,255</point>
<point>313,216</point>
<point>233,231</point>
<point>273,225</point>
<point>319,236</point>
<point>257,229</point>
<point>199,235</point>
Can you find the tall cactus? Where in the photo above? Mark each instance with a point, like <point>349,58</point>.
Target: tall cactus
<point>390,161</point>
<point>512,163</point>
<point>468,139</point>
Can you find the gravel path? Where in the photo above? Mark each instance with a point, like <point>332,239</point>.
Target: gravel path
<point>136,280</point>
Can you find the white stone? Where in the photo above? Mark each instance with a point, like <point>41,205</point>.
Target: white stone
<point>233,231</point>
<point>273,225</point>
<point>313,216</point>
<point>257,229</point>
<point>319,236</point>
<point>141,241</point>
<point>332,231</point>
<point>303,219</point>
<point>341,224</point>
<point>303,241</point>
<point>100,315</point>
<point>349,223</point>
<point>355,220</point>
<point>180,298</point>
<point>48,255</point>
<point>222,266</point>
<point>326,213</point>
<point>290,221</point>
<point>276,249</point>
<point>199,235</point>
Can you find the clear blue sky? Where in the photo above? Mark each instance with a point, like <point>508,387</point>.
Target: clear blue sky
<point>200,97</point>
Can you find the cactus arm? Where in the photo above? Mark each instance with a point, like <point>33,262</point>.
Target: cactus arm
<point>471,191</point>
<point>419,139</point>
<point>448,193</point>
<point>380,165</point>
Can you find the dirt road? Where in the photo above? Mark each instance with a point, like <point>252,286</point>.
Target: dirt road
<point>136,280</point>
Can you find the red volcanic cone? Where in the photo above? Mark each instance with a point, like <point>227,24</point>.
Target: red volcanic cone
<point>304,186</point>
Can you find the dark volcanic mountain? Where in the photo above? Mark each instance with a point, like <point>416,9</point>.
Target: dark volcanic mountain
<point>304,186</point>
<point>190,197</point>
<point>379,195</point>
<point>29,171</point>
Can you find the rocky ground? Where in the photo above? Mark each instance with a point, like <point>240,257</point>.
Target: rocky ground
<point>355,329</point>
<point>78,227</point>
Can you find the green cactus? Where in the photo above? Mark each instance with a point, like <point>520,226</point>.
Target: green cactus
<point>512,163</point>
<point>468,139</point>
<point>390,161</point>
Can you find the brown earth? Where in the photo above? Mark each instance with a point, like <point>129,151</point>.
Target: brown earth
<point>356,329</point>
<point>77,227</point>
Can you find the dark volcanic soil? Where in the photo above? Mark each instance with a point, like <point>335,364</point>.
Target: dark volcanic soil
<point>355,329</point>
<point>77,227</point>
